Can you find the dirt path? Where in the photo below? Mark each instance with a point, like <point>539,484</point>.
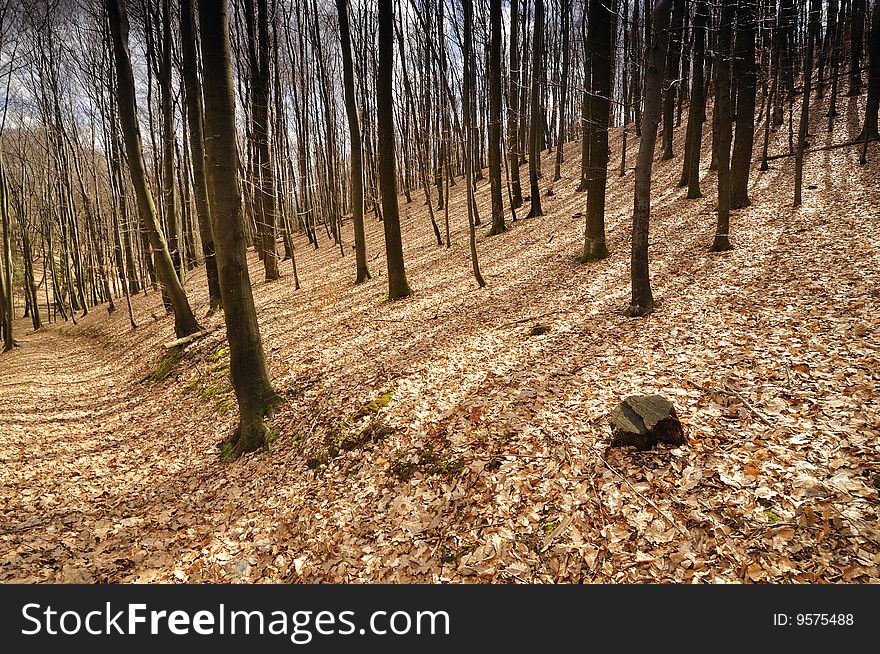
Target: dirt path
<point>89,488</point>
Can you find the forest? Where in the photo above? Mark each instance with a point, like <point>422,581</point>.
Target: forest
<point>468,291</point>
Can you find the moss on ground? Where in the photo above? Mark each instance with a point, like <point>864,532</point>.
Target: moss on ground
<point>429,461</point>
<point>216,384</point>
<point>341,437</point>
<point>168,365</point>
<point>374,406</point>
<point>220,353</point>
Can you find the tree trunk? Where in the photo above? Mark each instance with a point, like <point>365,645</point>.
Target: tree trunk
<point>168,136</point>
<point>803,127</point>
<point>260,106</point>
<point>746,75</point>
<point>642,299</point>
<point>673,59</point>
<point>354,130</point>
<point>7,295</point>
<point>250,378</point>
<point>857,28</point>
<point>602,28</point>
<point>193,99</point>
<point>723,99</point>
<point>872,104</point>
<point>184,320</point>
<point>398,286</point>
<point>835,29</point>
<point>495,153</point>
<point>467,92</point>
<point>513,108</point>
<point>563,94</point>
<point>697,108</point>
<point>537,116</point>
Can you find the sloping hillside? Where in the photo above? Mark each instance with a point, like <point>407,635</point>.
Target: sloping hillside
<point>438,439</point>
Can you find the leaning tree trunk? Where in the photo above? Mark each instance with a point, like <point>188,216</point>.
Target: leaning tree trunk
<point>642,299</point>
<point>247,362</point>
<point>184,320</point>
<point>398,286</point>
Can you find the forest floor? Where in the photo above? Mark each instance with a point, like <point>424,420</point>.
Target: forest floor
<point>436,439</point>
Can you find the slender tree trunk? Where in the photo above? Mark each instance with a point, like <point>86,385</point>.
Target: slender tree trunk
<point>803,127</point>
<point>746,75</point>
<point>697,108</point>
<point>857,28</point>
<point>642,299</point>
<point>565,8</point>
<point>184,321</point>
<point>587,135</point>
<point>250,378</point>
<point>495,154</point>
<point>7,297</point>
<point>723,100</point>
<point>354,130</point>
<point>260,105</point>
<point>514,106</point>
<point>537,116</point>
<point>398,286</point>
<point>673,59</point>
<point>835,29</point>
<point>467,90</point>
<point>602,28</point>
<point>194,110</point>
<point>168,137</point>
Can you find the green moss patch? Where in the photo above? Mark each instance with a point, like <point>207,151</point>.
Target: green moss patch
<point>215,384</point>
<point>374,406</point>
<point>427,460</point>
<point>340,439</point>
<point>220,353</point>
<point>227,451</point>
<point>167,367</point>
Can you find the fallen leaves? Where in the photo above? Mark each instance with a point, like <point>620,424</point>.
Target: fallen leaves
<point>767,353</point>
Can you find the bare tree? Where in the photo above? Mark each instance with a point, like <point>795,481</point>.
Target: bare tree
<point>537,116</point>
<point>184,321</point>
<point>250,378</point>
<point>398,286</point>
<point>194,110</point>
<point>642,299</point>
<point>495,154</point>
<point>354,130</point>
